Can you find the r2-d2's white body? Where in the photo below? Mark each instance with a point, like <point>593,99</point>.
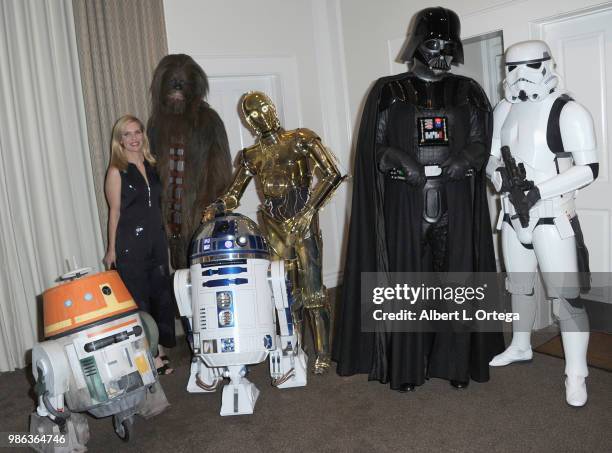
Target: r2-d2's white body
<point>553,138</point>
<point>229,295</point>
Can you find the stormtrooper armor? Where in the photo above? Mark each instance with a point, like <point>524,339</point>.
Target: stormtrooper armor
<point>229,296</point>
<point>96,358</point>
<point>551,139</point>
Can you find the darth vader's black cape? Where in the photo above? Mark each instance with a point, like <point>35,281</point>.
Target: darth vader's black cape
<point>401,358</point>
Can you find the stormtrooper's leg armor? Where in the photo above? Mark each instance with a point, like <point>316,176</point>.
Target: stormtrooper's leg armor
<point>521,265</point>
<point>558,263</point>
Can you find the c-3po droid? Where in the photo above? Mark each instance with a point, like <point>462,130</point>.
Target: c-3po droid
<point>96,359</point>
<point>229,295</point>
<point>296,175</point>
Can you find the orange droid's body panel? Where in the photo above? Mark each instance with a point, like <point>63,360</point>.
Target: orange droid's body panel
<point>84,301</point>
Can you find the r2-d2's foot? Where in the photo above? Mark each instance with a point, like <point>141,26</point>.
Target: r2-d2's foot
<point>288,368</point>
<point>203,379</point>
<point>240,395</point>
<point>511,355</point>
<point>575,391</point>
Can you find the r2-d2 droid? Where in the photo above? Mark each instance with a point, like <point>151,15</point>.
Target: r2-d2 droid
<point>229,294</point>
<point>96,359</point>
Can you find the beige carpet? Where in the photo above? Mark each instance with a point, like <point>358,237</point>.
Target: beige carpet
<point>522,409</point>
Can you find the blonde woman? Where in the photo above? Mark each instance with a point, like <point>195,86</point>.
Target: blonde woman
<point>137,244</point>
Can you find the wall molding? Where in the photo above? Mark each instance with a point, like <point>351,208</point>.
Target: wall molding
<point>488,9</point>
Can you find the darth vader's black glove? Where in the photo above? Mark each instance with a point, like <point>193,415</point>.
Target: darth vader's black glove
<point>400,165</point>
<point>456,167</point>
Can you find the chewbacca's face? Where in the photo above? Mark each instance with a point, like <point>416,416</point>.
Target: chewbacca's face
<point>177,90</point>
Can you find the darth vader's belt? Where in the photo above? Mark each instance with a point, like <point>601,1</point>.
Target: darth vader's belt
<point>434,193</point>
<point>433,171</point>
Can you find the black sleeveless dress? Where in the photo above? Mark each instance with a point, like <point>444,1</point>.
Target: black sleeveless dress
<point>142,249</point>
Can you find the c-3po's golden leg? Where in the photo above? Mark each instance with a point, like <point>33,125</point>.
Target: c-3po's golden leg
<point>303,264</point>
<point>314,297</point>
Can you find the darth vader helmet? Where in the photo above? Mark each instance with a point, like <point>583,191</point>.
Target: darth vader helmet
<point>530,72</point>
<point>434,39</point>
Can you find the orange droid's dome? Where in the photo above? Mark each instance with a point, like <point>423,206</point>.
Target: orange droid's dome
<point>85,301</point>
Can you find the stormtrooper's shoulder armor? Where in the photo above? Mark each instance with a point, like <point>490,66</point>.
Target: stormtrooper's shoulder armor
<point>500,112</point>
<point>553,126</point>
<point>578,133</point>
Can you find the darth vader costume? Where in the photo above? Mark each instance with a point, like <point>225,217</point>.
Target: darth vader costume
<point>419,205</point>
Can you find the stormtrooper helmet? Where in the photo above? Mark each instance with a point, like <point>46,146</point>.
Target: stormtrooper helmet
<point>530,72</point>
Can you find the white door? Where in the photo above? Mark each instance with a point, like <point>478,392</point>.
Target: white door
<point>582,47</point>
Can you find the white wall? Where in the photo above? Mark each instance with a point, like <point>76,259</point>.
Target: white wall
<point>248,28</point>
<point>306,31</point>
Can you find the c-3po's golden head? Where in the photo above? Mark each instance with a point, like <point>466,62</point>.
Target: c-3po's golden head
<point>260,114</point>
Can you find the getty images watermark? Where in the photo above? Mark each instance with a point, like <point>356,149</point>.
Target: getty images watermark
<point>422,295</point>
<point>461,301</point>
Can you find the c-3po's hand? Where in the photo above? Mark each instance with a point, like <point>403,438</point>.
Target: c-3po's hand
<point>215,209</point>
<point>297,227</point>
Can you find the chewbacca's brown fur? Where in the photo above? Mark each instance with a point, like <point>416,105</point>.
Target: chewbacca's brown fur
<point>195,124</point>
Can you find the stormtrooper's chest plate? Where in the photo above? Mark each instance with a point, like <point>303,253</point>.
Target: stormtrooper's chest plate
<point>524,131</point>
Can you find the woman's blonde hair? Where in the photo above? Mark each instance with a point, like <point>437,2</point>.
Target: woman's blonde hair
<point>118,157</point>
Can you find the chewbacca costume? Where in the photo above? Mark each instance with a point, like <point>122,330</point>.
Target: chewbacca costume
<point>188,140</point>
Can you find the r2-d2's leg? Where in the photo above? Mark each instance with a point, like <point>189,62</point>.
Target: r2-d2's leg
<point>521,265</point>
<point>203,379</point>
<point>239,395</point>
<point>288,361</point>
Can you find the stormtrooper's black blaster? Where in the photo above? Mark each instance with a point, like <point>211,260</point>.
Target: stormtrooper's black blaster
<point>515,182</point>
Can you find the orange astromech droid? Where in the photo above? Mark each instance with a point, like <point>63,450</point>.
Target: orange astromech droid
<point>95,358</point>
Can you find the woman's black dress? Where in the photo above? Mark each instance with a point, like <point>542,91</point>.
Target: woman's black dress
<point>142,249</point>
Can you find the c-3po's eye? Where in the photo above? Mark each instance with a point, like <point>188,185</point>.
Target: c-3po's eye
<point>265,109</point>
<point>254,114</point>
<point>537,65</point>
<point>511,68</point>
